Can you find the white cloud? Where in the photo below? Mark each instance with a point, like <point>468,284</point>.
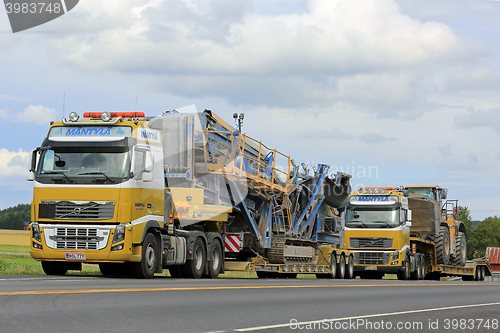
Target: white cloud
<point>4,113</point>
<point>13,163</point>
<point>40,114</point>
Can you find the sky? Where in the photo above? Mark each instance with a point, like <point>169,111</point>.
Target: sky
<point>393,92</point>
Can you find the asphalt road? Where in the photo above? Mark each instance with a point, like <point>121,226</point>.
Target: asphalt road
<point>98,304</point>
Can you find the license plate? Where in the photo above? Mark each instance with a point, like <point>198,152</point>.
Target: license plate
<point>75,256</point>
<point>370,268</point>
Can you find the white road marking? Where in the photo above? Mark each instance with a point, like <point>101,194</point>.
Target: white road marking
<point>258,328</point>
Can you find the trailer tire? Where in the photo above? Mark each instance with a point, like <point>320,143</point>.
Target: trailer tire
<point>341,268</point>
<point>405,274</point>
<point>54,268</point>
<point>350,268</point>
<point>146,268</point>
<point>442,242</point>
<point>193,268</point>
<point>460,257</point>
<point>333,264</point>
<point>215,262</point>
<point>415,275</point>
<point>482,273</point>
<point>422,267</point>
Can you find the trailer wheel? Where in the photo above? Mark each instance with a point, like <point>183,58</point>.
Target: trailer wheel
<point>341,267</point>
<point>415,275</point>
<point>145,269</point>
<point>405,274</point>
<point>194,268</point>
<point>482,273</point>
<point>460,257</point>
<point>333,264</point>
<point>443,246</point>
<point>54,268</point>
<point>422,267</point>
<point>215,256</point>
<point>350,268</point>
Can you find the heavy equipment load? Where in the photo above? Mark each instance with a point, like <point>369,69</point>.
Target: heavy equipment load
<point>411,231</point>
<point>138,194</point>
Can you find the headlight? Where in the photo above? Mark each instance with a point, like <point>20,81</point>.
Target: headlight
<point>106,116</point>
<point>119,233</point>
<point>35,230</point>
<point>73,116</point>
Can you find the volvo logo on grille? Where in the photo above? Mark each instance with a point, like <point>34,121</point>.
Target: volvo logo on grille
<point>77,211</point>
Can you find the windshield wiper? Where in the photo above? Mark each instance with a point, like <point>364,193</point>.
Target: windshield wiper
<point>386,223</point>
<point>364,225</point>
<point>56,173</point>
<point>98,173</point>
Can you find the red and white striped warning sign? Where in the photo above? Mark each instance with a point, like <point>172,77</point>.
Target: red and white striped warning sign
<point>232,243</point>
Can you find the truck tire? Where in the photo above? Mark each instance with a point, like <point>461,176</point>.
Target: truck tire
<point>442,242</point>
<point>215,259</point>
<point>349,270</point>
<point>193,268</point>
<point>145,269</point>
<point>460,257</point>
<point>54,268</point>
<point>405,274</point>
<point>333,264</point>
<point>341,267</point>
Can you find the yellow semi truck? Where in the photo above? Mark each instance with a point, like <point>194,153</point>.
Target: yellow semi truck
<point>409,231</point>
<point>184,192</point>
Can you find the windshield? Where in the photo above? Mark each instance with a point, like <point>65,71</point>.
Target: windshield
<point>78,164</point>
<point>369,218</point>
<point>428,191</point>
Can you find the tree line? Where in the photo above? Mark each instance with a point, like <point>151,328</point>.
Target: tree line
<point>13,218</point>
<point>486,234</point>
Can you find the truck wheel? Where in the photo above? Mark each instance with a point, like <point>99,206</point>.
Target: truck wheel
<point>333,264</point>
<point>460,257</point>
<point>145,269</point>
<point>341,267</point>
<point>54,267</point>
<point>443,246</point>
<point>194,268</point>
<point>350,269</point>
<point>405,274</point>
<point>215,256</point>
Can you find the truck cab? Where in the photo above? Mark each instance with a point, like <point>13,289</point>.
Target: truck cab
<point>377,230</point>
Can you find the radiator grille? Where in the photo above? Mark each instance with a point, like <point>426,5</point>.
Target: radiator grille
<point>382,243</point>
<point>68,210</point>
<point>372,258</point>
<point>76,238</point>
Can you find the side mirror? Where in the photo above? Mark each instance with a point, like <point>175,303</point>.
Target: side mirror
<point>408,223</point>
<point>147,176</point>
<point>31,176</point>
<point>408,216</point>
<point>445,193</point>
